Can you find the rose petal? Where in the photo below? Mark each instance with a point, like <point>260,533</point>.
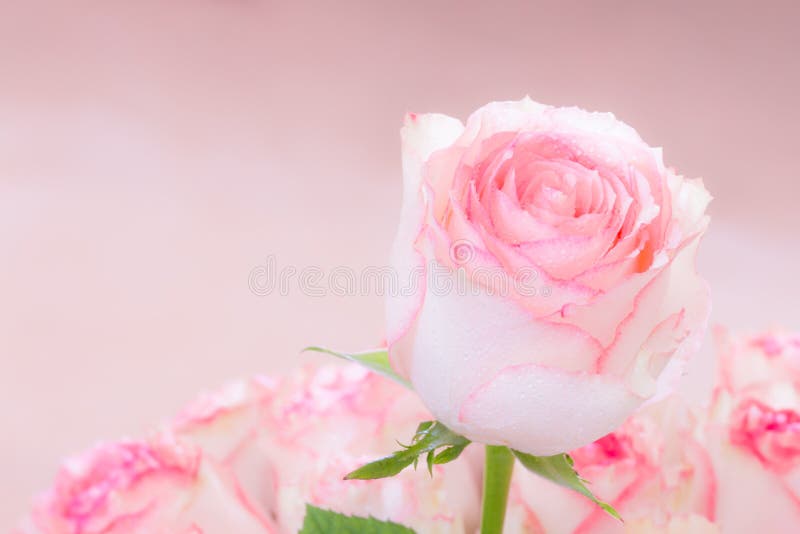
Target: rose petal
<point>521,405</point>
<point>421,135</point>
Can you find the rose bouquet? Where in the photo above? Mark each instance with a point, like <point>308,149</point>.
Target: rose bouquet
<point>253,456</point>
<point>548,302</point>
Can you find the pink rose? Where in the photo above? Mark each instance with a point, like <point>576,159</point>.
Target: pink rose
<point>757,360</point>
<point>654,470</point>
<point>158,486</point>
<point>292,443</point>
<point>754,433</point>
<point>551,257</point>
<point>340,418</point>
<point>249,457</point>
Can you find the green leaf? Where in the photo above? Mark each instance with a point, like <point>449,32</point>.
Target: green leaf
<point>374,360</point>
<point>558,468</point>
<point>319,521</point>
<point>449,454</point>
<point>423,426</point>
<point>431,435</point>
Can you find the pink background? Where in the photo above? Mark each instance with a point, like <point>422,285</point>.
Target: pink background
<point>152,153</point>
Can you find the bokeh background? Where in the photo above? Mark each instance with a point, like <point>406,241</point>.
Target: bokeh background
<point>153,153</point>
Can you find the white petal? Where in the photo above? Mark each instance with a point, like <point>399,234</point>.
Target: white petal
<point>544,411</point>
<point>464,337</point>
<point>421,136</point>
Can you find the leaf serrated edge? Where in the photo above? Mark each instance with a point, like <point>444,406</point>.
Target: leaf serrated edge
<point>315,519</point>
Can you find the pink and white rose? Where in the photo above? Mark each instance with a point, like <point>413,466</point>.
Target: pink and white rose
<point>249,457</point>
<point>654,470</point>
<point>552,256</point>
<point>295,443</point>
<point>158,486</point>
<point>754,433</point>
<point>341,418</point>
<point>757,360</point>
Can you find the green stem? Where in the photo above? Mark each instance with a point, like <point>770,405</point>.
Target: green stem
<point>496,481</point>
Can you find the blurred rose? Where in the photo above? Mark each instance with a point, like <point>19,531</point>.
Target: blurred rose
<point>653,470</point>
<point>158,486</point>
<point>293,443</point>
<point>261,449</point>
<point>350,417</point>
<point>754,434</point>
<point>551,260</point>
<point>757,360</point>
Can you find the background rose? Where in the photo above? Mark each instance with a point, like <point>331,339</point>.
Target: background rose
<point>756,360</point>
<point>654,470</point>
<point>293,442</point>
<point>577,245</point>
<point>251,454</point>
<point>160,485</point>
<point>256,451</point>
<point>754,434</point>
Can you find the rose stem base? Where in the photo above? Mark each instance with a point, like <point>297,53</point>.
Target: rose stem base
<point>496,483</point>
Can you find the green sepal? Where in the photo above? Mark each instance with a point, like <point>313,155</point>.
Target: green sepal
<point>375,360</point>
<point>559,468</point>
<point>449,454</point>
<point>430,436</point>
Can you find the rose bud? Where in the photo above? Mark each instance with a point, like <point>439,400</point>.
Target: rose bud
<point>548,264</point>
<point>653,470</point>
<point>754,434</point>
